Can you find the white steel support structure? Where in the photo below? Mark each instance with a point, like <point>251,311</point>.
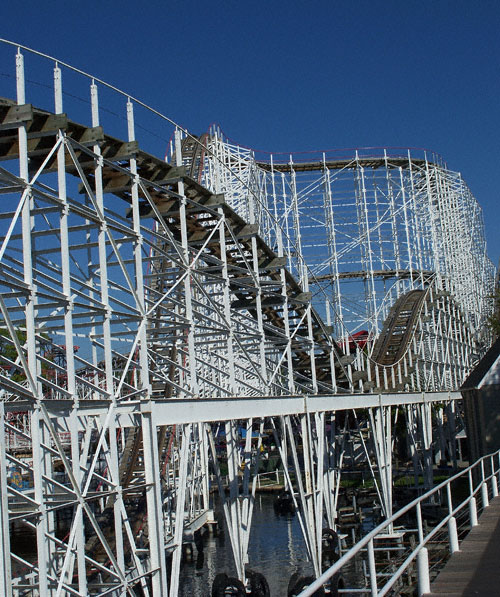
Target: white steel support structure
<point>369,228</point>
<point>143,301</point>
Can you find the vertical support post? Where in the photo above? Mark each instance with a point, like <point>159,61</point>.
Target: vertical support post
<point>249,497</point>
<point>287,431</point>
<point>382,439</point>
<point>452,428</point>
<point>440,454</point>
<point>117,500</point>
<point>426,431</point>
<point>333,458</point>
<point>371,569</point>
<point>484,494</point>
<point>424,583</point>
<point>106,336</point>
<point>472,503</point>
<point>42,530</point>
<point>227,303</point>
<point>304,276</point>
<point>193,380</point>
<point>149,430</point>
<point>422,557</point>
<point>37,427</point>
<point>91,274</point>
<point>204,466</point>
<point>258,297</point>
<point>494,483</point>
<point>453,535</point>
<point>283,274</point>
<point>452,523</point>
<point>5,566</point>
<point>319,445</point>
<point>333,260</point>
<point>412,427</point>
<point>234,504</point>
<point>179,511</point>
<point>371,292</point>
<point>473,512</point>
<point>222,494</point>
<point>309,509</point>
<point>420,526</point>
<point>153,501</point>
<point>484,487</point>
<point>68,334</point>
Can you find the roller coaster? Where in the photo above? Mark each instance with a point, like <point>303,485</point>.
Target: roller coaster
<point>214,289</point>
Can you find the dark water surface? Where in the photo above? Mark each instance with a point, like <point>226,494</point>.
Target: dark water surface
<point>276,549</point>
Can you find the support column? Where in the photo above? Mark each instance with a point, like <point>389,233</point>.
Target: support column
<point>179,510</point>
<point>5,565</point>
<point>155,522</point>
<point>382,439</point>
<point>153,501</point>
<point>426,438</point>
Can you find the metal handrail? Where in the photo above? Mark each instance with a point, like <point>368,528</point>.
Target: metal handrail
<point>420,551</point>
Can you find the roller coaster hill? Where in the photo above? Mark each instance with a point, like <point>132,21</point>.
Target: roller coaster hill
<point>149,302</point>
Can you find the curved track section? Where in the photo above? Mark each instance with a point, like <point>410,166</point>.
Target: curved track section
<point>398,329</point>
<point>193,156</point>
<point>425,343</point>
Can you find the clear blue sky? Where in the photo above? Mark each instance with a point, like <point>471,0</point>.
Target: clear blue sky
<point>290,75</point>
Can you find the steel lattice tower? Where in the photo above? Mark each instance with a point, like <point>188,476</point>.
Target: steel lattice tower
<point>147,303</point>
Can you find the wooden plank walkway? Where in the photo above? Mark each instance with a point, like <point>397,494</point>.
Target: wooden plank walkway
<point>475,569</point>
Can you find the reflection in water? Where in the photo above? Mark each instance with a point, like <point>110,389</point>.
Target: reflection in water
<point>276,550</point>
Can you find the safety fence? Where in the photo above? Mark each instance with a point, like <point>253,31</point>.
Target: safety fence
<point>461,495</point>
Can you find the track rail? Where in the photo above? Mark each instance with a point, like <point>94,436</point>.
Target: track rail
<point>398,328</point>
<point>202,214</point>
<point>349,164</point>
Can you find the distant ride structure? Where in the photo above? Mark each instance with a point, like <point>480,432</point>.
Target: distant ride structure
<point>365,227</point>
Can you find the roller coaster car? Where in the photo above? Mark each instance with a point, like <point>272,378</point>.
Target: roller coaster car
<point>359,340</point>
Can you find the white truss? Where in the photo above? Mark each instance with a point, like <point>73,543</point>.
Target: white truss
<point>140,305</point>
<point>361,231</point>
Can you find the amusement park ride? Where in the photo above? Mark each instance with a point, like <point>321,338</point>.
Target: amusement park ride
<point>320,297</point>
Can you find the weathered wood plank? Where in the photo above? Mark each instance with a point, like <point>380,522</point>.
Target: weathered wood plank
<point>474,570</point>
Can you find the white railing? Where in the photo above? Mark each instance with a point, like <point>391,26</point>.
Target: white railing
<point>271,479</point>
<point>478,481</point>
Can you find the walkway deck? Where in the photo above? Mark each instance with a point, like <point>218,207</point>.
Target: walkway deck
<point>475,569</point>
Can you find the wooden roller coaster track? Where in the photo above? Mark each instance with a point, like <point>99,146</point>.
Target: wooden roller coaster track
<point>398,328</point>
<point>203,211</point>
<point>202,214</point>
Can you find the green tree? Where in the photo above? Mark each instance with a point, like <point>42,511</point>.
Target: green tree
<point>8,350</point>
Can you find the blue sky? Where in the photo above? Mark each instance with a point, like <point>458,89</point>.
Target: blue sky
<point>291,76</point>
